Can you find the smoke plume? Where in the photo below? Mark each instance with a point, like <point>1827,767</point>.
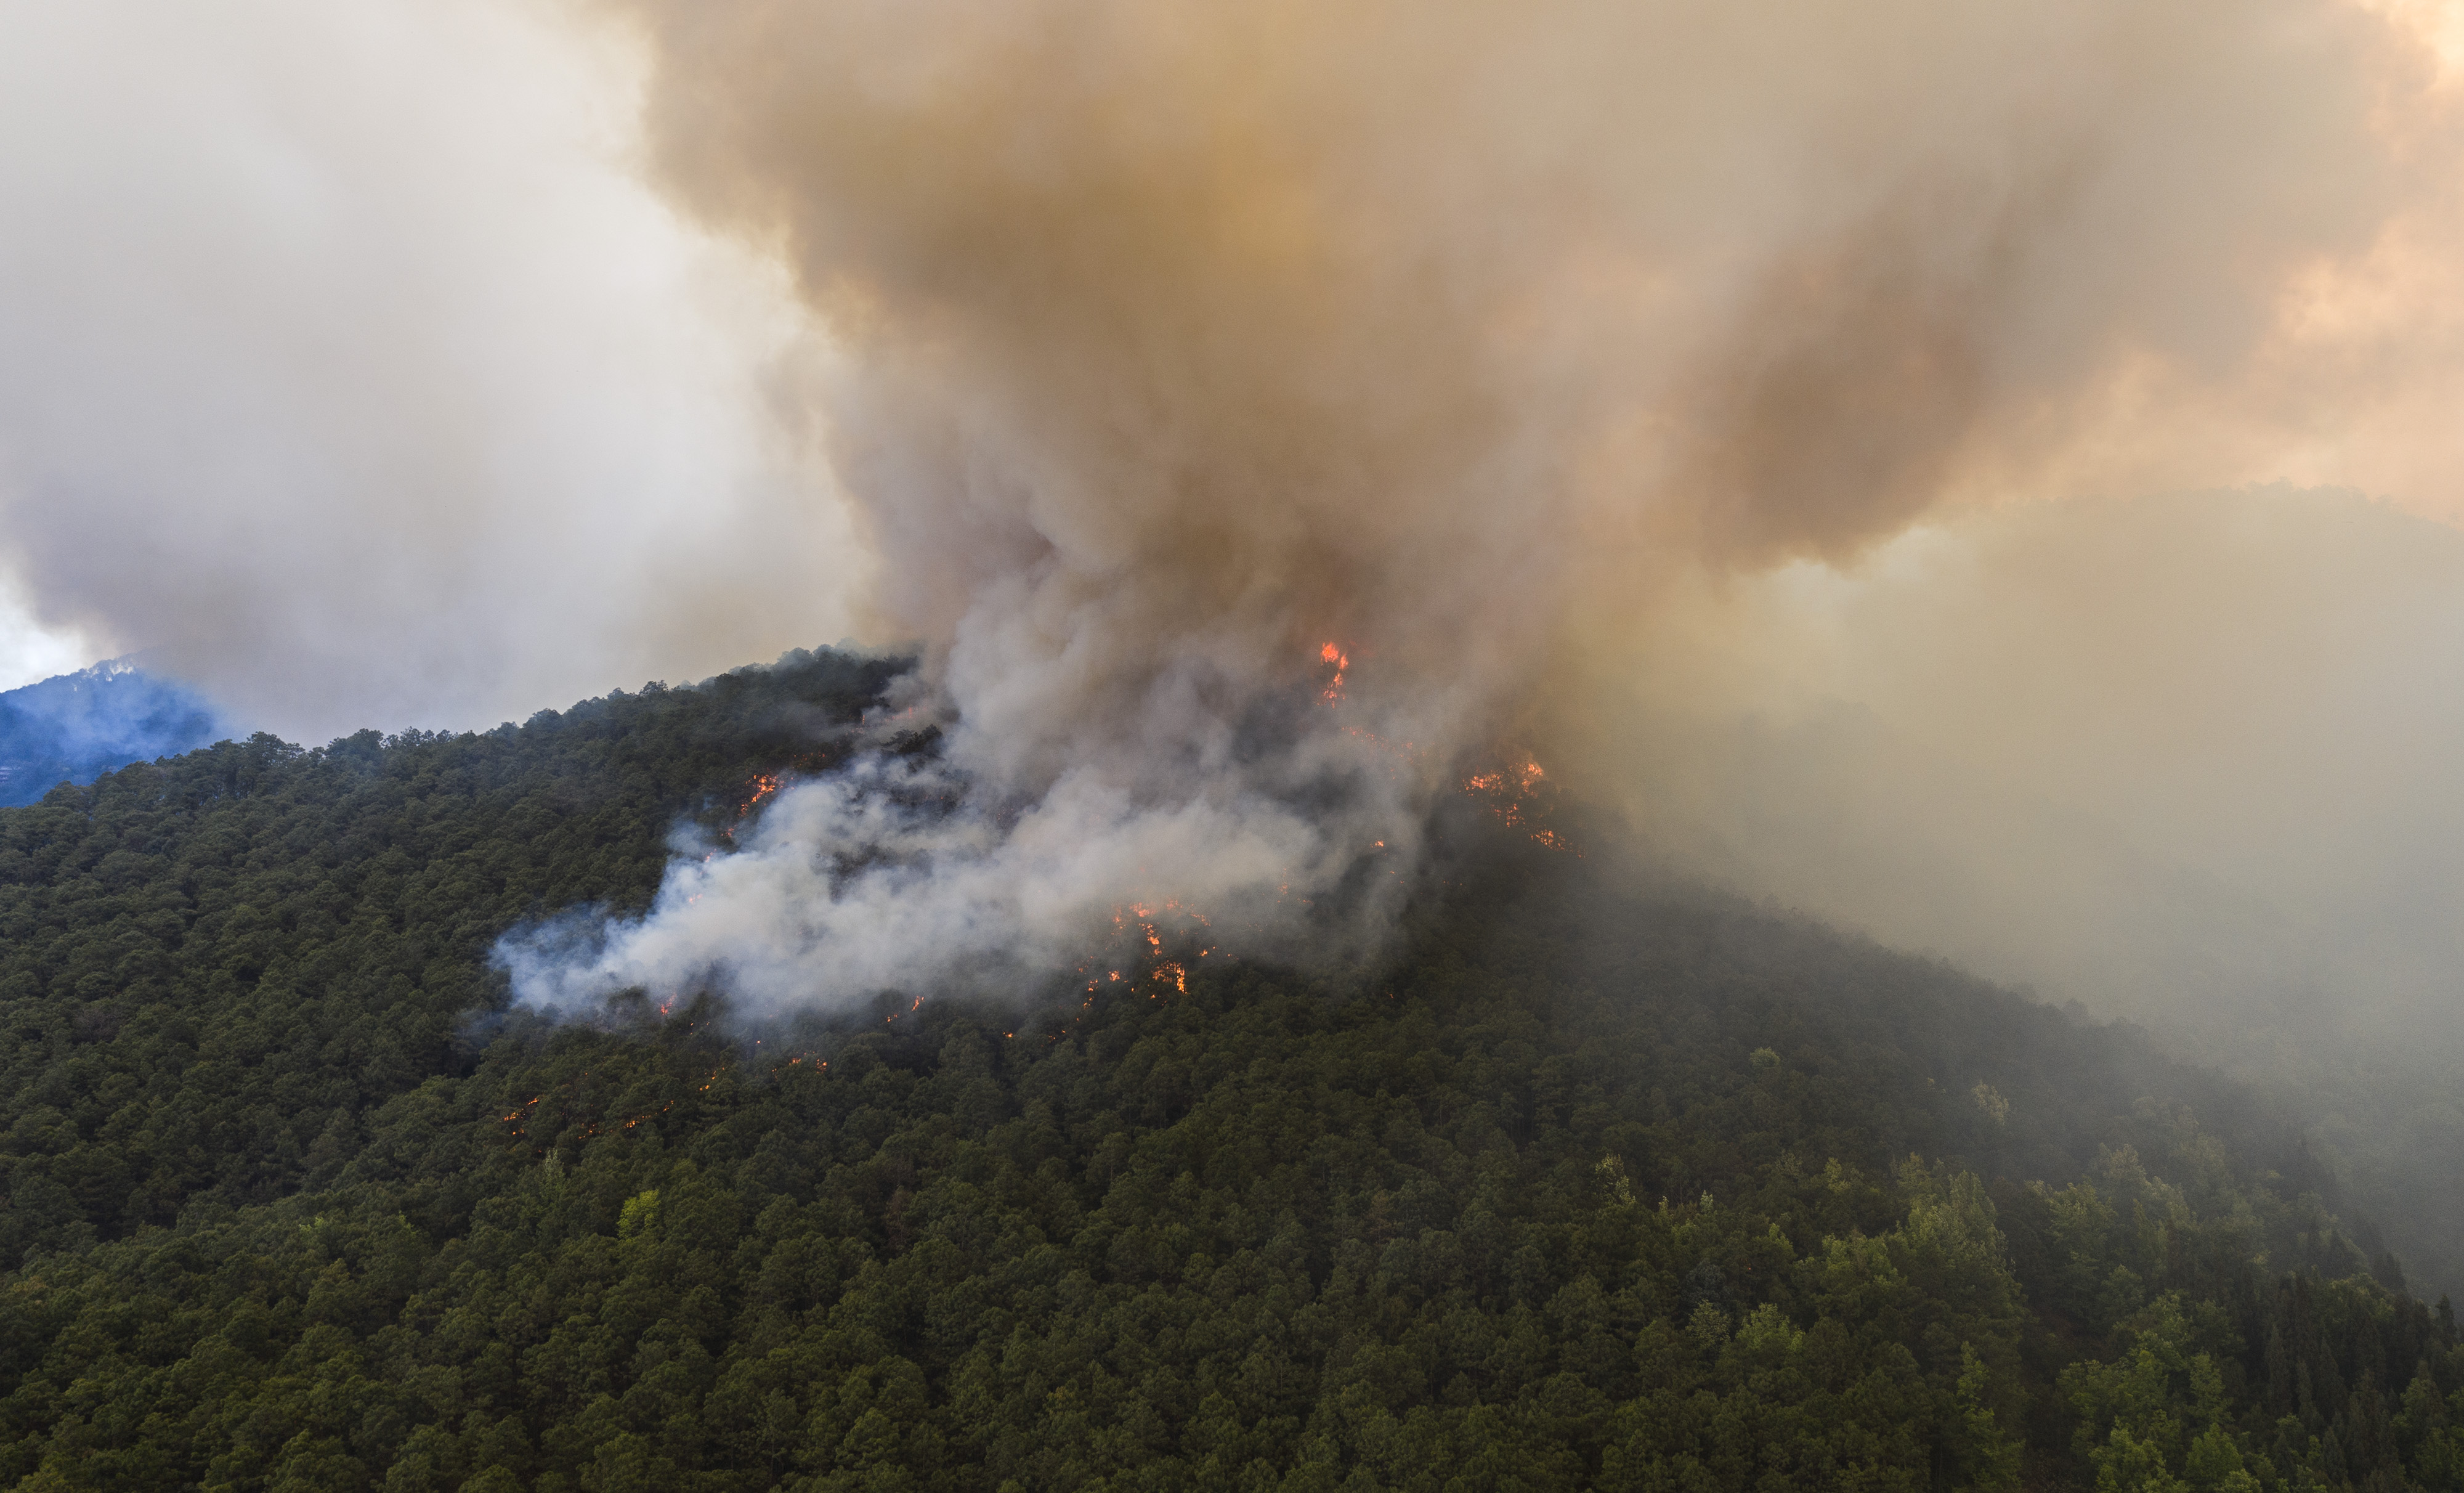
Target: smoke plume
<point>1185,344</point>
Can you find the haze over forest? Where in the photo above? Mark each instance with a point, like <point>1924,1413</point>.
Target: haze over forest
<point>1985,478</point>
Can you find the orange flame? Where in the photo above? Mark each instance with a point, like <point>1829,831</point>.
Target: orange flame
<point>759,788</point>
<point>1144,922</point>
<point>1509,791</point>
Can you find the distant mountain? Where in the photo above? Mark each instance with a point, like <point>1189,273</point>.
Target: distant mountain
<point>73,728</point>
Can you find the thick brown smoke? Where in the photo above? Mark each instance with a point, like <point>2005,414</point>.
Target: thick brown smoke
<point>1227,327</point>
<point>1183,338</point>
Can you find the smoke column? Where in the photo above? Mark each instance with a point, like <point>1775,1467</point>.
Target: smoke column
<point>1182,339</point>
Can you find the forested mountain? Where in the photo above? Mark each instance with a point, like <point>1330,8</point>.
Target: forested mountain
<point>72,727</point>
<point>1588,1185</point>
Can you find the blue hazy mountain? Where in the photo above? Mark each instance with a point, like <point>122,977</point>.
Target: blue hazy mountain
<point>75,727</point>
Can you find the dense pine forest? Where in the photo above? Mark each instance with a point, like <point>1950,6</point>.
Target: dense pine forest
<point>1588,1185</point>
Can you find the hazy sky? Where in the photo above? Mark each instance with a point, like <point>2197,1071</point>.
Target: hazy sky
<point>347,365</point>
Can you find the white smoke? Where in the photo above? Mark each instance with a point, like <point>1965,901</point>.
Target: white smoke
<point>893,875</point>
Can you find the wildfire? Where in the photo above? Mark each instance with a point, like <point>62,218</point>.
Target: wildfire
<point>1516,782</point>
<point>759,788</point>
<point>1142,924</point>
<point>1397,759</point>
<point>1510,791</point>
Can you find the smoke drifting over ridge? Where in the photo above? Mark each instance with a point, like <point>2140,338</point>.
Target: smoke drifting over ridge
<point>1182,339</point>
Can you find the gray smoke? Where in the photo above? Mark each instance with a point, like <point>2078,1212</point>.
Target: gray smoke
<point>2186,760</point>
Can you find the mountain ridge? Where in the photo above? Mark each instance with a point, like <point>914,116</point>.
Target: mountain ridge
<point>1587,1184</point>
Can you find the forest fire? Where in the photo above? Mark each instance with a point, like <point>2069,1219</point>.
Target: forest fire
<point>1147,925</point>
<point>763,787</point>
<point>1340,662</point>
<point>1514,794</point>
<point>1515,782</point>
<point>1396,757</point>
<point>1611,376</point>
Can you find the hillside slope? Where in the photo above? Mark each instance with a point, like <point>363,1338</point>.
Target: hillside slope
<point>1585,1186</point>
